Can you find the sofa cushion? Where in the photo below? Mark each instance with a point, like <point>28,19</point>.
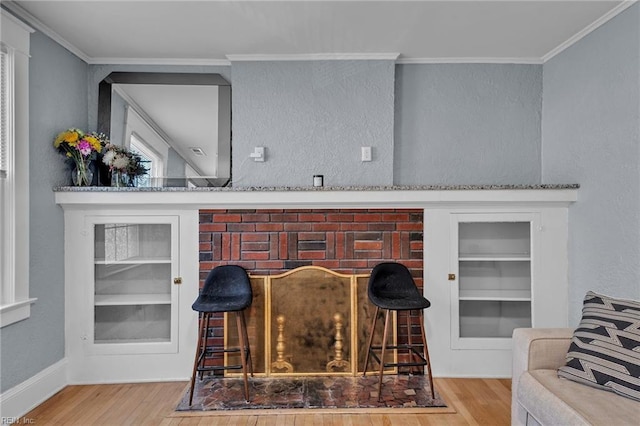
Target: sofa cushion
<point>552,400</point>
<point>605,348</point>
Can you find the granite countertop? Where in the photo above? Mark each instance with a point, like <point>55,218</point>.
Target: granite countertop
<point>312,188</point>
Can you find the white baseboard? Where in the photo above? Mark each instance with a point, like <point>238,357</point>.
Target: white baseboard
<point>19,400</point>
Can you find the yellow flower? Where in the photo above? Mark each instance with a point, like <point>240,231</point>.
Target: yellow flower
<point>59,139</point>
<point>70,136</point>
<point>95,143</point>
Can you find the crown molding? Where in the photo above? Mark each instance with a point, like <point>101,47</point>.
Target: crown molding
<point>315,57</point>
<point>523,61</point>
<point>587,30</point>
<point>17,21</point>
<point>40,26</point>
<point>159,61</point>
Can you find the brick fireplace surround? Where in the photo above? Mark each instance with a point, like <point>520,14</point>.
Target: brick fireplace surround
<point>349,241</point>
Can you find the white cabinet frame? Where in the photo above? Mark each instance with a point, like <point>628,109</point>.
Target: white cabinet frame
<point>139,300</point>
<point>455,356</point>
<point>91,362</point>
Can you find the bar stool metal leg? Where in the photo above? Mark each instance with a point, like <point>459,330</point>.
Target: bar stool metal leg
<point>199,351</point>
<point>426,353</point>
<point>371,331</point>
<point>246,342</point>
<point>243,350</point>
<point>384,347</point>
<point>411,355</point>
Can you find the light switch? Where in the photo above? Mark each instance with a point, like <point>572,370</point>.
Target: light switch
<point>366,153</point>
<point>257,154</point>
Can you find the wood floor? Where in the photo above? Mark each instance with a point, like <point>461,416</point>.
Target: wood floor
<point>475,401</point>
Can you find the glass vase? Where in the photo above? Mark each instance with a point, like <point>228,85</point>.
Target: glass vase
<point>82,174</point>
<point>119,179</point>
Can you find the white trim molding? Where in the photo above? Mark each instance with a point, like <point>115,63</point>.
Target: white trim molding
<point>40,26</point>
<point>19,400</point>
<point>14,312</point>
<point>15,242</point>
<point>519,61</point>
<point>159,61</point>
<point>316,57</point>
<point>588,29</point>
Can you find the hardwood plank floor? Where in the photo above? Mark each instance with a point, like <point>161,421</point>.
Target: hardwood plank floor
<point>475,401</point>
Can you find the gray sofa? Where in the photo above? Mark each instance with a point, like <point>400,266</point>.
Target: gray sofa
<point>540,397</point>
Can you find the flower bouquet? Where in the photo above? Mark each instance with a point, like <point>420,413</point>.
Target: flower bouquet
<point>123,164</point>
<point>80,148</point>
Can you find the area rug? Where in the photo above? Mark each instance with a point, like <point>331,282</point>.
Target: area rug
<point>219,394</point>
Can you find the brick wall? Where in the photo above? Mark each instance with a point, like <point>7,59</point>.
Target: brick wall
<point>349,241</point>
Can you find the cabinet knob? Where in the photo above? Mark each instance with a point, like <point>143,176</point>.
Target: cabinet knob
<point>177,280</point>
<point>452,277</point>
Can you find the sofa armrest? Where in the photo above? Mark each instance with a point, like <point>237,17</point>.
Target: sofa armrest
<point>533,349</point>
<point>540,348</point>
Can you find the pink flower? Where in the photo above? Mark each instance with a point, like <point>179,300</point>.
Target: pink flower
<point>84,147</point>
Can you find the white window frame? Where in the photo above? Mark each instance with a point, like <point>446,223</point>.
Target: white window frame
<point>14,274</point>
<point>139,144</point>
<point>145,132</point>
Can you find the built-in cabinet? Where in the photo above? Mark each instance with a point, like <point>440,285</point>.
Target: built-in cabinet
<point>491,264</point>
<point>494,260</point>
<point>489,271</point>
<point>135,299</point>
<point>132,277</point>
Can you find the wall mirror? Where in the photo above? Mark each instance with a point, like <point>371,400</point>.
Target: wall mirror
<point>179,122</point>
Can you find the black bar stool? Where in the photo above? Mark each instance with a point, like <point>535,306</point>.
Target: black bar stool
<point>392,288</point>
<point>226,289</point>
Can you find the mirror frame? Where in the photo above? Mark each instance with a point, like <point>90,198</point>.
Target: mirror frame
<point>133,77</point>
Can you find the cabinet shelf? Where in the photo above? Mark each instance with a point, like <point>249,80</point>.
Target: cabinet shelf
<point>132,299</point>
<point>134,261</point>
<point>131,341</point>
<point>497,295</point>
<point>494,257</point>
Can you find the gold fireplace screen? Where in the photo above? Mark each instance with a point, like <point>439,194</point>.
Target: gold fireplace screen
<point>308,321</point>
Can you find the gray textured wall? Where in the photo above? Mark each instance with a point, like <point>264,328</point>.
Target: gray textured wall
<point>591,135</point>
<point>313,117</point>
<point>468,124</point>
<point>57,100</point>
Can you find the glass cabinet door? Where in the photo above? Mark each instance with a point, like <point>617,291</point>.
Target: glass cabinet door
<point>491,278</point>
<point>134,296</point>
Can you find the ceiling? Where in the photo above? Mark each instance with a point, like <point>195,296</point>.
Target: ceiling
<point>214,32</point>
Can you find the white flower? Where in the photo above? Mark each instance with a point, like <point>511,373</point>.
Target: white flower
<point>107,158</point>
<point>120,162</point>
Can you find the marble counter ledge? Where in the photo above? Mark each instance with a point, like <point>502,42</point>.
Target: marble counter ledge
<point>322,189</point>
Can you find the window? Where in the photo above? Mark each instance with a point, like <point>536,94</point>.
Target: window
<point>4,147</point>
<point>150,161</point>
<point>15,304</point>
<point>142,137</point>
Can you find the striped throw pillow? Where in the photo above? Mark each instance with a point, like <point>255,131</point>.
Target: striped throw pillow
<point>605,348</point>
